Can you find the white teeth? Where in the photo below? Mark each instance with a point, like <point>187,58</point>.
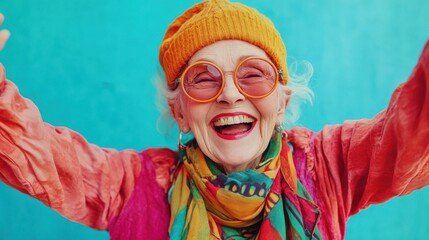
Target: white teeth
<point>233,120</point>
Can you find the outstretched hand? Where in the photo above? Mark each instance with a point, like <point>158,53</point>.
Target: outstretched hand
<point>4,34</point>
<point>2,78</point>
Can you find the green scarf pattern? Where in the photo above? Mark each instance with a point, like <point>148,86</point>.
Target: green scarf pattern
<point>268,202</point>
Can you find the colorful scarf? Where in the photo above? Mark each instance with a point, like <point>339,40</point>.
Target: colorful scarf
<point>264,203</point>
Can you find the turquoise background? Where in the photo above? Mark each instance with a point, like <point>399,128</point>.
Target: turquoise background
<point>90,65</point>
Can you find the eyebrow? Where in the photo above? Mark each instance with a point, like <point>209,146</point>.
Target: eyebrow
<point>239,59</point>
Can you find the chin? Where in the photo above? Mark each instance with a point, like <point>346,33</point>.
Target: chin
<point>236,154</point>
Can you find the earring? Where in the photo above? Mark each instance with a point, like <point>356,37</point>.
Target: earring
<point>179,141</point>
<point>279,128</point>
<point>184,139</point>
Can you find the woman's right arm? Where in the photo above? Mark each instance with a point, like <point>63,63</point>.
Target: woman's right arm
<point>81,181</point>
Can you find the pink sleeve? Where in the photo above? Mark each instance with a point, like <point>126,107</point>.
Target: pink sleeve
<point>81,181</point>
<point>370,161</point>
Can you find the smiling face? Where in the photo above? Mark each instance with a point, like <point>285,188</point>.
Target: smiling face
<point>232,130</point>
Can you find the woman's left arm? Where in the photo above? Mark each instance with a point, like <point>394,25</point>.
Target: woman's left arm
<point>370,161</point>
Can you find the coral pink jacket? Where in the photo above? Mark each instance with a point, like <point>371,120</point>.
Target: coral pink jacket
<point>344,167</point>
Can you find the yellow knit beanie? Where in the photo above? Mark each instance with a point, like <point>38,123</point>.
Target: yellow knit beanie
<point>215,20</point>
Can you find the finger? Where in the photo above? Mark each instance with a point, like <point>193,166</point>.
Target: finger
<point>1,18</point>
<point>4,36</point>
<point>2,76</point>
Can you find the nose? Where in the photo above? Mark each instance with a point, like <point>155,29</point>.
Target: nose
<point>230,93</point>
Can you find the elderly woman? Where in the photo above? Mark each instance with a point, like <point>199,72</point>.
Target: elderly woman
<point>239,177</point>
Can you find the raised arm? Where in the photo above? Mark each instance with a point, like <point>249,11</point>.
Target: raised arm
<point>370,161</point>
<point>81,181</point>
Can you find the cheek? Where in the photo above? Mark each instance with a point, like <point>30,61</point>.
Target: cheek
<point>268,108</point>
<point>196,114</point>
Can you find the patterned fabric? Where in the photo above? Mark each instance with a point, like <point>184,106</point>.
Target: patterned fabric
<point>266,203</point>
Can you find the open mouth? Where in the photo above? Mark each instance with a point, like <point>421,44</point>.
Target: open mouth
<point>228,126</point>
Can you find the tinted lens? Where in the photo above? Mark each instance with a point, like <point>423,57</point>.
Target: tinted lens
<point>202,81</point>
<point>256,77</point>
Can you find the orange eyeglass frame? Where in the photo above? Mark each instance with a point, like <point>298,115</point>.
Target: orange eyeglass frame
<point>277,72</point>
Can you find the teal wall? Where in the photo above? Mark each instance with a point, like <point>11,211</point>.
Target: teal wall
<point>90,65</point>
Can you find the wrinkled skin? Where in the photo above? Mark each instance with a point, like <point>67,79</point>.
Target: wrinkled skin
<point>245,152</point>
